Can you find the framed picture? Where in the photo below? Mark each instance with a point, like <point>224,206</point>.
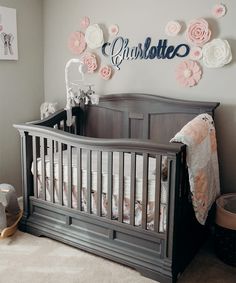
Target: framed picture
<point>8,34</point>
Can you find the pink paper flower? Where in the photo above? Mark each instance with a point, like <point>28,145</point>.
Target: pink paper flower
<point>105,72</point>
<point>85,22</point>
<point>77,42</point>
<point>172,28</point>
<point>90,61</point>
<point>196,53</point>
<point>113,30</point>
<point>188,73</point>
<point>219,10</point>
<point>198,32</point>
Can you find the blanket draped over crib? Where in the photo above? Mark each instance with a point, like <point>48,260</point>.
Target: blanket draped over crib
<point>202,160</point>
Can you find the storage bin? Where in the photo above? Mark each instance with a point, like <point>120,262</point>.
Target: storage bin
<point>225,230</point>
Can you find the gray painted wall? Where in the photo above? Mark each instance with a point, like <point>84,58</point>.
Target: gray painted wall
<point>137,20</point>
<point>21,86</point>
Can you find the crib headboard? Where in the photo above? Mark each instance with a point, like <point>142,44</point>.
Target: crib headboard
<point>141,116</point>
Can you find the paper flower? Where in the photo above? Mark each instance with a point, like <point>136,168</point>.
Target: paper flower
<point>219,10</point>
<point>85,22</point>
<point>216,53</point>
<point>172,28</point>
<point>198,32</point>
<point>196,53</point>
<point>188,73</point>
<point>90,61</point>
<point>77,42</point>
<point>113,30</point>
<point>94,36</point>
<point>105,72</point>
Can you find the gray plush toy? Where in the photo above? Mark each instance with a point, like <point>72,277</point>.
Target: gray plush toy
<point>8,203</point>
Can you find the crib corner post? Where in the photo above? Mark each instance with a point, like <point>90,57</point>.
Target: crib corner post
<point>26,159</point>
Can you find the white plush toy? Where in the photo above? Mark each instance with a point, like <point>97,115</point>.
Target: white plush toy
<point>47,108</point>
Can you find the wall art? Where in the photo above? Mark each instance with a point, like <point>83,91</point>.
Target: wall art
<point>8,34</point>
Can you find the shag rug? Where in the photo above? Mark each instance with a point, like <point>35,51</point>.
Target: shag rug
<point>28,259</point>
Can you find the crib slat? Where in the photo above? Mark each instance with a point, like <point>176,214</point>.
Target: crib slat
<point>79,179</point>
<point>99,183</point>
<point>51,158</point>
<point>121,186</point>
<point>157,193</point>
<point>60,173</point>
<point>145,191</point>
<point>89,181</point>
<point>43,175</point>
<point>69,189</point>
<point>109,187</point>
<point>35,168</point>
<point>132,188</point>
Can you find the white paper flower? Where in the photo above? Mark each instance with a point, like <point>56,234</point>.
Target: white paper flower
<point>172,28</point>
<point>216,53</point>
<point>113,30</point>
<point>94,36</point>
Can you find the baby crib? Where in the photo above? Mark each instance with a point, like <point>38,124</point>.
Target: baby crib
<point>112,184</point>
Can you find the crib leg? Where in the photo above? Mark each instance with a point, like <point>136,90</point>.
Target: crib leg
<point>156,276</point>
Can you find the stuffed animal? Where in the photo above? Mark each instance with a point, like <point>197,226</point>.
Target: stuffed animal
<point>47,108</point>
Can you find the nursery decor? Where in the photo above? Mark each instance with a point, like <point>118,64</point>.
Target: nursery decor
<point>219,10</point>
<point>105,72</point>
<point>172,28</point>
<point>196,53</point>
<point>90,60</point>
<point>198,32</point>
<point>216,53</point>
<point>94,36</point>
<point>188,73</point>
<point>77,42</point>
<point>47,108</point>
<point>113,30</point>
<point>85,22</point>
<point>8,34</point>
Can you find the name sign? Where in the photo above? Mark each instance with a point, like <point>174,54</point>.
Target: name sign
<point>119,50</point>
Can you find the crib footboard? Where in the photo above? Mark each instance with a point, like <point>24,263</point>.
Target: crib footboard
<point>116,198</point>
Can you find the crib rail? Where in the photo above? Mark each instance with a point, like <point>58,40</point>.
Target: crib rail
<point>56,171</point>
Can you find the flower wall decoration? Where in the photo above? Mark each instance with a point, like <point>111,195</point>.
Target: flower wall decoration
<point>113,30</point>
<point>105,72</point>
<point>198,32</point>
<point>219,10</point>
<point>85,22</point>
<point>216,53</point>
<point>188,73</point>
<point>94,36</point>
<point>90,61</point>
<point>77,42</point>
<point>196,53</point>
<point>172,28</point>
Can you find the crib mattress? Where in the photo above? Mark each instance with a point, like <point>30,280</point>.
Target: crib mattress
<point>104,176</point>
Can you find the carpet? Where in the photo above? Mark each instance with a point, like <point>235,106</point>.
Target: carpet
<point>25,258</point>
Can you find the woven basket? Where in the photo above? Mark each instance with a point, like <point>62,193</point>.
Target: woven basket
<point>12,222</point>
<point>225,229</point>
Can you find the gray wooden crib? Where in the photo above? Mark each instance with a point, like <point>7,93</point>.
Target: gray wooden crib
<point>112,184</point>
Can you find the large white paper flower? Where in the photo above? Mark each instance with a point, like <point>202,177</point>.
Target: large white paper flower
<point>216,53</point>
<point>94,36</point>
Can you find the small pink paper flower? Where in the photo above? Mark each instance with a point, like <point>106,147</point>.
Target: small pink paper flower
<point>196,53</point>
<point>198,32</point>
<point>172,28</point>
<point>77,42</point>
<point>188,73</point>
<point>105,72</point>
<point>113,30</point>
<point>219,10</point>
<point>90,61</point>
<point>85,22</point>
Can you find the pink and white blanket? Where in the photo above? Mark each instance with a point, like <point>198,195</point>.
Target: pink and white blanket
<point>202,160</point>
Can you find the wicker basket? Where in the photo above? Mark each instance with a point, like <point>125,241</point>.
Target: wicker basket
<point>225,230</point>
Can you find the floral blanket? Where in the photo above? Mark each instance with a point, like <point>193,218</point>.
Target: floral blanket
<point>202,160</point>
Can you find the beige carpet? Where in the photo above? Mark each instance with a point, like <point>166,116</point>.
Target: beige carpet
<point>28,259</point>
